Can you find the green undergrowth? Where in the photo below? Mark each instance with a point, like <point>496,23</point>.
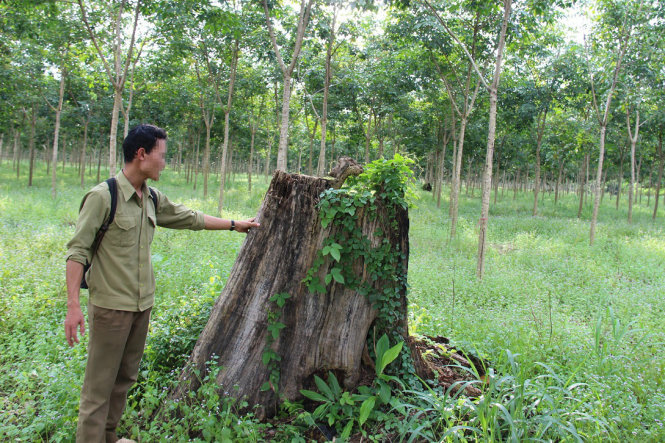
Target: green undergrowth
<point>573,334</point>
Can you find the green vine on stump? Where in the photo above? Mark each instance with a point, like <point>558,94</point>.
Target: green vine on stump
<point>387,184</point>
<point>269,357</point>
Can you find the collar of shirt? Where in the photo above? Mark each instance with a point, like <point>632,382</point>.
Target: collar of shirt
<point>127,188</point>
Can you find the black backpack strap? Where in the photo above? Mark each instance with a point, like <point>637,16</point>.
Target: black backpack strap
<point>113,190</point>
<point>153,196</point>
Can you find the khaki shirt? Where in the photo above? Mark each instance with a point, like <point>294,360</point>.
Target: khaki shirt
<point>121,275</point>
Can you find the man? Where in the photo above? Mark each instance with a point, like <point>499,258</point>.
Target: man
<point>121,279</point>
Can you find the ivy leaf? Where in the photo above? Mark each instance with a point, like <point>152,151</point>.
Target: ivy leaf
<point>337,275</point>
<point>334,251</point>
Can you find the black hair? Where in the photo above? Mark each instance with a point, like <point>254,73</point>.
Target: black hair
<point>142,136</point>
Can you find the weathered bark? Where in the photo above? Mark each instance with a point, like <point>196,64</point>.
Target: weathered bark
<point>323,331</point>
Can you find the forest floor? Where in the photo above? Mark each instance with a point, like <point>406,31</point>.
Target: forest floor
<point>574,334</point>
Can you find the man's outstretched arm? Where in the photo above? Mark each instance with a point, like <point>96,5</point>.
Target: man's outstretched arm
<point>215,224</point>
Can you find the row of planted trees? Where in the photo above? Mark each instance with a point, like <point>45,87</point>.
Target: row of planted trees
<point>470,89</point>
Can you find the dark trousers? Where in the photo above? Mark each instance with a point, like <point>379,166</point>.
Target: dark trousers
<point>115,348</point>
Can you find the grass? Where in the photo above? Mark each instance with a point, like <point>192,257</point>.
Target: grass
<point>574,333</point>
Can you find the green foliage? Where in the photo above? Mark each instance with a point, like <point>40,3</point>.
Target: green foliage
<point>389,182</point>
<point>343,409</point>
<point>269,357</point>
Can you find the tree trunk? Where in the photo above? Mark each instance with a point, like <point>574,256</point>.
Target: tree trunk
<point>620,180</point>
<point>251,158</point>
<point>113,139</point>
<point>368,137</point>
<point>287,72</point>
<point>539,143</point>
<point>56,133</point>
<point>83,149</point>
<point>15,156</point>
<point>99,164</point>
<point>661,159</point>
<point>582,184</point>
<point>491,132</point>
<point>31,143</point>
<point>196,158</point>
<point>496,180</point>
<point>632,135</point>
<point>457,180</point>
<point>558,182</point>
<point>206,154</point>
<point>323,332</point>
<point>602,185</point>
<point>442,168</point>
<point>227,112</point>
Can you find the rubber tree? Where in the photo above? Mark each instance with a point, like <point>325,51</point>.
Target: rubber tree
<point>115,54</point>
<point>629,14</point>
<point>287,71</point>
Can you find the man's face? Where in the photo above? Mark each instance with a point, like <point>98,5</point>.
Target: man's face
<point>154,162</point>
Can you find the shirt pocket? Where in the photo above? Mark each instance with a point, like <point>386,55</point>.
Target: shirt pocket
<point>152,223</point>
<point>122,231</point>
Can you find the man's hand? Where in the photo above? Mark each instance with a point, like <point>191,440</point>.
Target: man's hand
<point>73,320</point>
<point>245,225</point>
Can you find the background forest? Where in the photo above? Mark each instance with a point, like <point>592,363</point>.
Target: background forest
<point>538,126</point>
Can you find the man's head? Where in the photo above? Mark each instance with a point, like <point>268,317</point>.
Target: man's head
<point>145,150</point>
<point>141,136</point>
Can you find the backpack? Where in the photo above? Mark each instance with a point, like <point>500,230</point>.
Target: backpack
<point>113,190</point>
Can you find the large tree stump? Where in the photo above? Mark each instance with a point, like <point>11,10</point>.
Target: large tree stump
<point>323,331</point>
